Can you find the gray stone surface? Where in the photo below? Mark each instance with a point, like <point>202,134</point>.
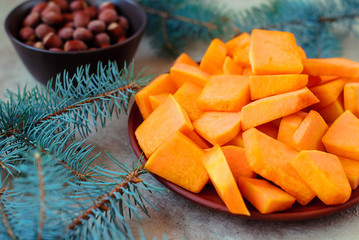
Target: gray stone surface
<point>177,217</point>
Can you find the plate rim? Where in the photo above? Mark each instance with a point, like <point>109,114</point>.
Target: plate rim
<point>255,215</point>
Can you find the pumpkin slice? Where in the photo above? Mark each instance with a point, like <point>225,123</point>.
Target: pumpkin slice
<point>197,139</point>
<point>240,41</point>
<point>241,56</point>
<point>289,125</point>
<point>184,58</point>
<point>302,53</point>
<point>340,67</point>
<point>270,108</point>
<point>271,159</point>
<point>265,197</point>
<point>236,141</point>
<point>327,92</point>
<point>224,93</point>
<point>162,84</point>
<point>267,85</point>
<point>218,127</point>
<point>351,169</point>
<point>324,174</point>
<point>268,129</point>
<point>223,180</point>
<point>230,67</point>
<point>351,98</point>
<point>213,59</point>
<point>331,112</point>
<point>274,52</point>
<point>186,96</point>
<point>309,134</point>
<point>237,161</point>
<point>157,100</point>
<point>179,161</point>
<point>342,136</point>
<point>247,71</point>
<point>181,73</point>
<point>164,121</point>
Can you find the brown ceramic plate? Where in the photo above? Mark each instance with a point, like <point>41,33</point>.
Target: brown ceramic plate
<point>209,198</point>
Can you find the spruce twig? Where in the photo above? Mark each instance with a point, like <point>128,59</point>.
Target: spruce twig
<point>42,195</point>
<point>5,217</point>
<point>100,204</point>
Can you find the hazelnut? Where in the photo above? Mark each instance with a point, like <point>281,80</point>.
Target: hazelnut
<point>68,17</point>
<point>81,19</point>
<point>82,34</point>
<point>97,26</point>
<point>30,43</point>
<point>105,45</point>
<point>69,24</point>
<point>42,29</point>
<point>51,7</point>
<point>27,34</point>
<point>121,39</point>
<point>106,5</point>
<point>38,8</point>
<point>116,31</point>
<point>66,33</point>
<point>39,45</point>
<point>78,5</point>
<point>101,39</point>
<point>108,16</point>
<point>75,45</point>
<point>52,18</point>
<point>62,4</point>
<point>123,22</point>
<point>91,11</point>
<point>32,19</point>
<point>56,49</point>
<point>51,40</point>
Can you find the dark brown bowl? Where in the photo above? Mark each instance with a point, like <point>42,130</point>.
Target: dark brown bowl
<point>210,199</point>
<point>45,64</point>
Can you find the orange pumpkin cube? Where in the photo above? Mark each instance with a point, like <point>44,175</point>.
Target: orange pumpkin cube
<point>187,96</point>
<point>162,84</point>
<point>351,98</point>
<point>327,92</point>
<point>164,121</point>
<point>230,67</point>
<point>267,85</point>
<point>274,52</point>
<point>237,161</point>
<point>213,59</point>
<point>288,125</point>
<point>342,136</point>
<point>184,58</point>
<point>181,73</point>
<point>241,56</point>
<point>351,169</point>
<point>340,67</point>
<point>224,93</point>
<point>240,41</point>
<point>309,134</point>
<point>324,174</point>
<point>270,108</point>
<point>157,100</point>
<point>223,180</point>
<point>218,127</point>
<point>332,111</point>
<point>179,161</point>
<point>265,197</point>
<point>271,159</point>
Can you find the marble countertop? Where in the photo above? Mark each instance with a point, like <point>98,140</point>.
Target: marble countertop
<point>177,217</point>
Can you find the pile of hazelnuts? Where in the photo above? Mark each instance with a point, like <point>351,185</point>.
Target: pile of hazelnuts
<point>59,25</point>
